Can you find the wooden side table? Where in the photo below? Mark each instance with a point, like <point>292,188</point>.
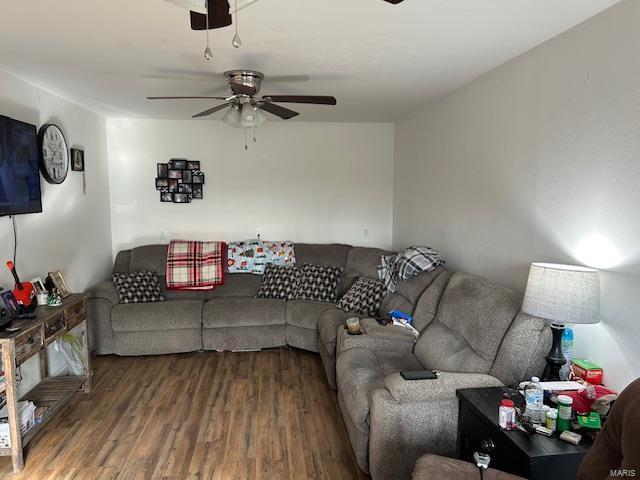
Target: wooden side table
<point>52,392</point>
<point>532,456</point>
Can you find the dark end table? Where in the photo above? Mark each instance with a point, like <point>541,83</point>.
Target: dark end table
<point>528,455</point>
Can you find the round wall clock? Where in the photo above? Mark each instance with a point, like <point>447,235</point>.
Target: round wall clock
<point>54,154</point>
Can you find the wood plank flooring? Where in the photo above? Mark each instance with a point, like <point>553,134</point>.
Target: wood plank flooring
<point>252,415</point>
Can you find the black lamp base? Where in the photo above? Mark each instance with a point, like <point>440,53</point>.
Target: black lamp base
<point>555,357</point>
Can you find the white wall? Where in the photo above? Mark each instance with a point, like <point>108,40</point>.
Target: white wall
<point>72,234</point>
<point>305,182</point>
<point>539,160</point>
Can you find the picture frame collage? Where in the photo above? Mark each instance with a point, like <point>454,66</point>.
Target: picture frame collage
<point>180,181</point>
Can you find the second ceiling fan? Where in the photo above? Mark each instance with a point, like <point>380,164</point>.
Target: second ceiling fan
<point>219,12</point>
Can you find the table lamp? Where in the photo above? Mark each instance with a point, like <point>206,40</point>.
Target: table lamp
<point>561,294</point>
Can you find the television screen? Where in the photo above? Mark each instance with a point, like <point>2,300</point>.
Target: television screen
<point>19,175</point>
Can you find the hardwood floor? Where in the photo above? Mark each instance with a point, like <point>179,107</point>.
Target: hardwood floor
<point>253,415</point>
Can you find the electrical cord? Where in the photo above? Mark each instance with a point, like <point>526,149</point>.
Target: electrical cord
<point>15,238</point>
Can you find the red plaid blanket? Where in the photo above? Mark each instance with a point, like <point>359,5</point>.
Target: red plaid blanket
<point>195,265</point>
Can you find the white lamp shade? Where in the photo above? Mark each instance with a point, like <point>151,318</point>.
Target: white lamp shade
<point>563,293</point>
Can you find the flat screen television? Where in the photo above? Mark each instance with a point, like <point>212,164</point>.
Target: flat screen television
<point>19,175</point>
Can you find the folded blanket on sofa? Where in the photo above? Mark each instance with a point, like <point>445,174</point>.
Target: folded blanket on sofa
<point>252,256</point>
<point>195,265</point>
<point>409,262</point>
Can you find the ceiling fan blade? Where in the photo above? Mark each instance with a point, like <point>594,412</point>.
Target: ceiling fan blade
<point>395,2</point>
<point>185,98</point>
<point>278,111</point>
<point>211,110</point>
<point>315,99</point>
<point>219,16</point>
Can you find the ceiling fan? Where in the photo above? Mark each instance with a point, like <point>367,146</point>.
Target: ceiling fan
<point>219,12</point>
<point>244,105</point>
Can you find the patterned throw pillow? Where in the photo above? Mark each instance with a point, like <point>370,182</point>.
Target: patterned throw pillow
<point>138,287</point>
<point>364,297</point>
<point>319,283</point>
<point>279,282</point>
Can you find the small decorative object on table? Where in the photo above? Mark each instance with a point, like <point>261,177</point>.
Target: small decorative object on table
<point>55,300</point>
<point>561,294</point>
<point>60,285</point>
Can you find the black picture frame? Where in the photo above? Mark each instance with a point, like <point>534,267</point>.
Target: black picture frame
<point>198,178</point>
<point>163,170</point>
<point>180,180</point>
<point>185,188</point>
<point>77,160</point>
<point>162,183</point>
<point>181,198</point>
<point>178,164</point>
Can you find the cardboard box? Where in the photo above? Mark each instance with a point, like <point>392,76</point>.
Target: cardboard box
<point>587,370</point>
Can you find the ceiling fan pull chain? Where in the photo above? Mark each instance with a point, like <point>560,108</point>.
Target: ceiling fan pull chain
<point>254,135</point>
<point>236,39</point>
<point>208,54</point>
<point>246,142</point>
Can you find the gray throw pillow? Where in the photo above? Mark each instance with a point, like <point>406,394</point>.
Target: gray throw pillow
<point>364,297</point>
<point>138,287</point>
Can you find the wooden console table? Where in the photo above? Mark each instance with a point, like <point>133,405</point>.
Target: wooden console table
<point>52,392</point>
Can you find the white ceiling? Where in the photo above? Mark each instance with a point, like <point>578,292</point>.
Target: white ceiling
<point>381,61</point>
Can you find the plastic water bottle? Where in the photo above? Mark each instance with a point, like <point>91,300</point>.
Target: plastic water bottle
<point>534,397</point>
<point>567,350</point>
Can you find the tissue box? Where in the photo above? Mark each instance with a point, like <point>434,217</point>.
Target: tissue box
<point>587,370</point>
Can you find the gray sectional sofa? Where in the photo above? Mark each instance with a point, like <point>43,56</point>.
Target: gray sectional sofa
<point>470,330</point>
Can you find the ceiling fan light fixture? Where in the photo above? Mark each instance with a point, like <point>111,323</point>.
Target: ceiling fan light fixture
<point>251,116</point>
<point>233,117</point>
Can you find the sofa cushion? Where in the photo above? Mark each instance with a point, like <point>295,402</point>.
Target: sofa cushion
<point>319,283</point>
<point>279,282</point>
<point>361,262</point>
<point>149,257</point>
<point>138,287</point>
<point>473,318</point>
<point>328,323</point>
<point>361,371</point>
<point>122,261</point>
<point>169,315</point>
<point>305,314</point>
<point>364,297</point>
<point>237,285</point>
<point>333,255</point>
<point>243,312</point>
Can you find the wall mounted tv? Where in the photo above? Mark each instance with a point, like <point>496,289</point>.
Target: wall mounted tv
<point>19,175</point>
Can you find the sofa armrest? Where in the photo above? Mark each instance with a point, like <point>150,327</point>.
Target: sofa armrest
<point>444,386</point>
<point>102,298</point>
<point>376,338</point>
<point>372,328</point>
<point>104,291</point>
<point>409,418</point>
